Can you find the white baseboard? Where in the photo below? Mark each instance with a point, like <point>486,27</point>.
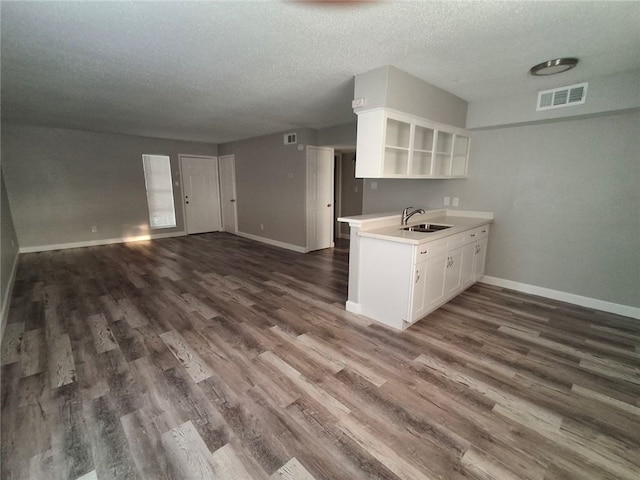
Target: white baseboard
<point>275,243</point>
<point>352,307</point>
<point>7,297</point>
<point>104,241</point>
<point>624,310</point>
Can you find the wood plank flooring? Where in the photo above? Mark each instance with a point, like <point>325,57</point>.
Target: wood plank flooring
<point>215,357</point>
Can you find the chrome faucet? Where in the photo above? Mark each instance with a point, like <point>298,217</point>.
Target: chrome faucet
<point>406,215</point>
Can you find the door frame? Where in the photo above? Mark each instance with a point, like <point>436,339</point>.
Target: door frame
<point>182,191</point>
<point>309,190</point>
<point>235,194</point>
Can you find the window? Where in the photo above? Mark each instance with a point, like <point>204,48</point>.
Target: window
<point>157,178</point>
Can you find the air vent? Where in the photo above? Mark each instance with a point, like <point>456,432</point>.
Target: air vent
<point>562,97</point>
<point>290,138</point>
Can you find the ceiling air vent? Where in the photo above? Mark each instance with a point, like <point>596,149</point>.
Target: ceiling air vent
<point>290,138</point>
<point>562,97</point>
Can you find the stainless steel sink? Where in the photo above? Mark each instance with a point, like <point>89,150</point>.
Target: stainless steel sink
<point>426,228</point>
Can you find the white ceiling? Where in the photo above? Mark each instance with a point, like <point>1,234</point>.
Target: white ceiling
<point>221,71</point>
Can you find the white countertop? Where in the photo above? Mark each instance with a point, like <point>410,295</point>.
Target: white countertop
<point>387,226</point>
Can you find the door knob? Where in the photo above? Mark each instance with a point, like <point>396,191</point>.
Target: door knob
<point>232,200</point>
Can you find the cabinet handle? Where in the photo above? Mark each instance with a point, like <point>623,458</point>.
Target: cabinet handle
<point>484,231</point>
<point>472,235</point>
<point>423,252</point>
<point>417,276</point>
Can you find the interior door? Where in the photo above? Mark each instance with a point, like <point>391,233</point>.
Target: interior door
<point>227,165</point>
<point>320,192</point>
<point>201,193</point>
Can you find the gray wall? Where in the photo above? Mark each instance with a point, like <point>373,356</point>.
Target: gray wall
<point>339,136</point>
<point>61,182</point>
<point>8,250</point>
<point>606,94</point>
<point>271,185</point>
<point>566,201</point>
<point>351,190</point>
<point>391,87</point>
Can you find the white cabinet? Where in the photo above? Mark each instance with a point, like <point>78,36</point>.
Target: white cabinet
<point>419,304</point>
<point>434,288</point>
<point>453,273</point>
<point>392,144</point>
<point>479,258</point>
<point>401,283</point>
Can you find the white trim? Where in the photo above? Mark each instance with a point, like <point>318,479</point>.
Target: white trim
<point>618,309</point>
<point>106,241</point>
<point>7,296</point>
<point>352,307</point>
<point>337,188</point>
<point>311,194</point>
<point>231,156</point>
<point>275,243</point>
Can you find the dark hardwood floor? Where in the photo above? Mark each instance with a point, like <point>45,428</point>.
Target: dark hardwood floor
<point>212,356</point>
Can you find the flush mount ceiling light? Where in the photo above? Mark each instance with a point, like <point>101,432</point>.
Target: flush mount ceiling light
<point>551,67</point>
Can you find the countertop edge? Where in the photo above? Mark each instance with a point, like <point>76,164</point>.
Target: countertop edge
<point>460,224</point>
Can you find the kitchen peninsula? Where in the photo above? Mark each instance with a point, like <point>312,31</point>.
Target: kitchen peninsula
<point>400,273</point>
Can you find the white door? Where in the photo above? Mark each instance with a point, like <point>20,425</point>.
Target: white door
<point>227,164</point>
<point>201,193</point>
<point>319,198</point>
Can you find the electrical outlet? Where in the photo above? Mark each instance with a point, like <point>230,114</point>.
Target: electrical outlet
<point>94,229</point>
<point>456,201</point>
<point>446,201</point>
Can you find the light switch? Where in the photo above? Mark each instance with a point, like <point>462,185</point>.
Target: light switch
<point>374,185</point>
<point>456,201</point>
<point>447,200</point>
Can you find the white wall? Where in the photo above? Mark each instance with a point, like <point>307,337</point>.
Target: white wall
<point>566,201</point>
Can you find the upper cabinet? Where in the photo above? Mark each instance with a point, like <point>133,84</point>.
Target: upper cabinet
<point>392,144</point>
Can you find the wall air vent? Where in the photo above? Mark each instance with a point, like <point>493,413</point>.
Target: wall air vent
<point>562,97</point>
<point>290,138</point>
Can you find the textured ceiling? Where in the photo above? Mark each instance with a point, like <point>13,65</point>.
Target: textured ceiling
<point>221,71</point>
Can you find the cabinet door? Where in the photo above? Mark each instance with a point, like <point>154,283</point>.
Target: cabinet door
<point>418,297</point>
<point>468,265</point>
<point>479,258</point>
<point>434,287</point>
<point>453,273</point>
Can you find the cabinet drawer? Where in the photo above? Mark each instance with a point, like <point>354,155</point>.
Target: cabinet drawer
<point>477,233</point>
<point>457,240</point>
<point>429,250</point>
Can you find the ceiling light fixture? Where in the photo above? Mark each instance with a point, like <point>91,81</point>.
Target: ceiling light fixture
<point>551,67</point>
